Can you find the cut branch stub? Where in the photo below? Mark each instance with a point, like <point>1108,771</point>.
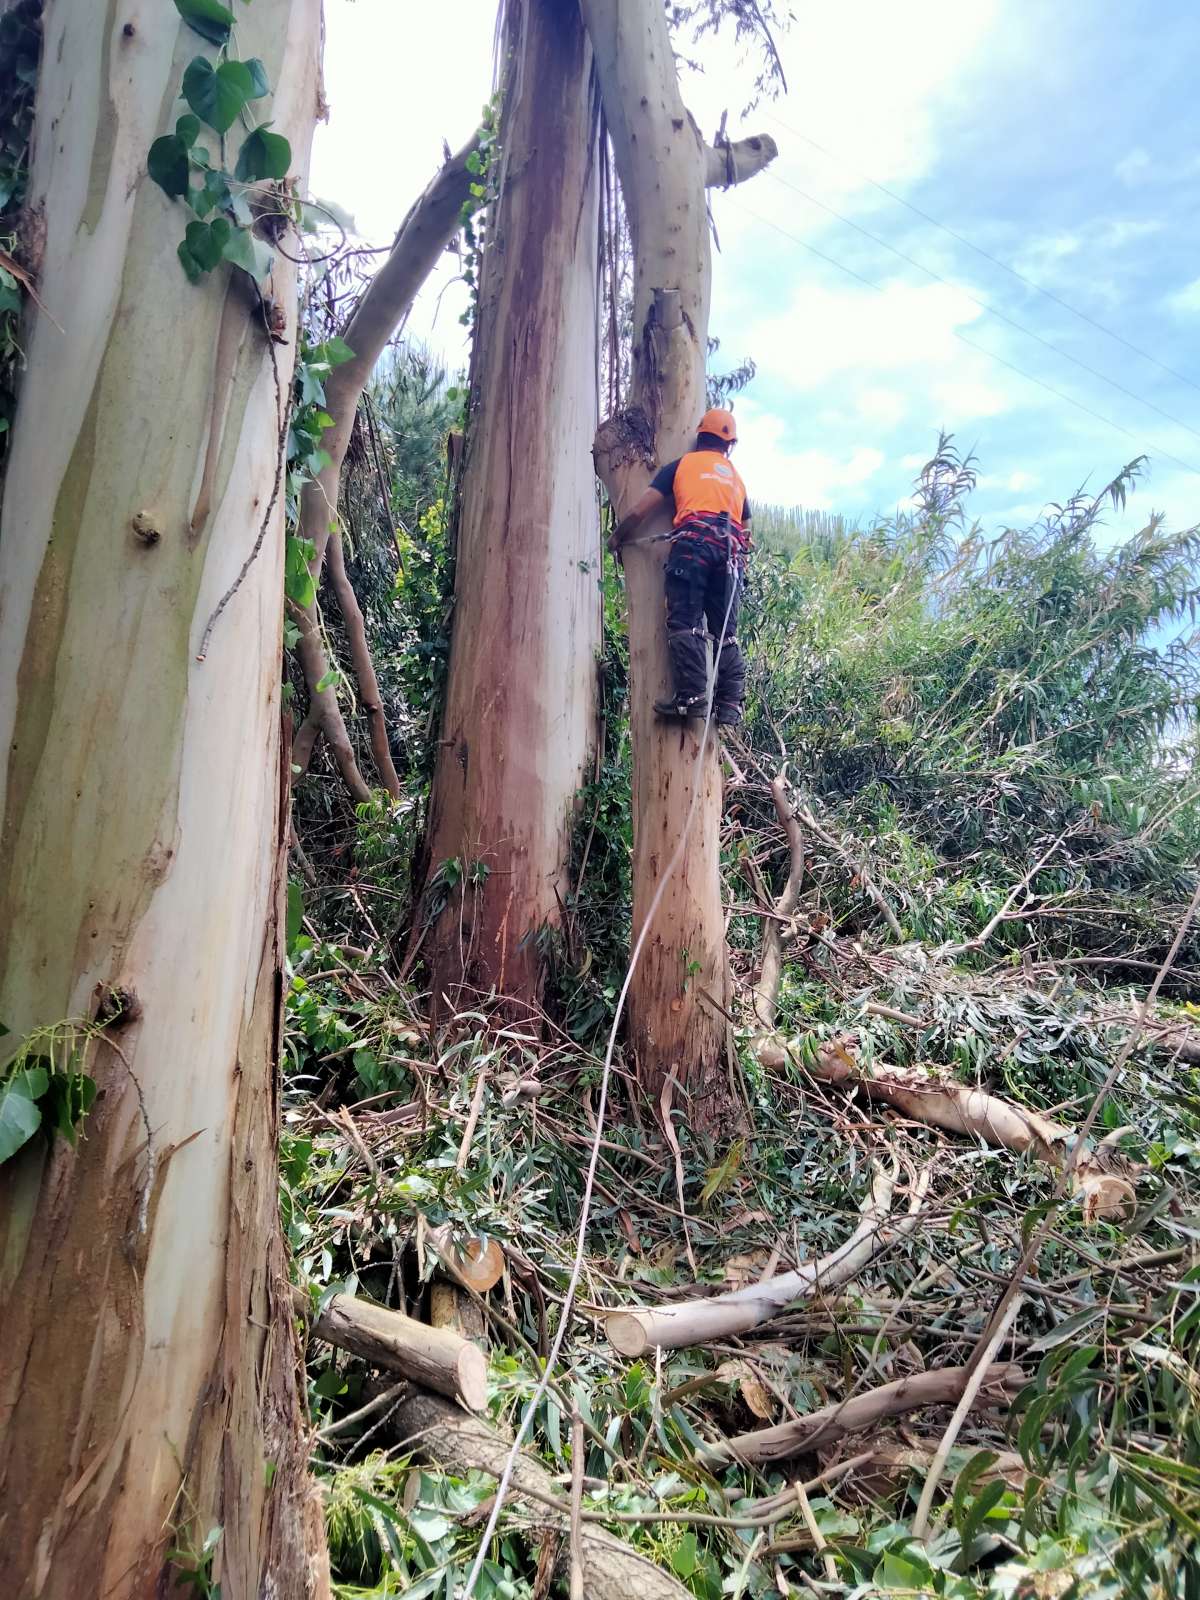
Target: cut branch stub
<point>478,1265</point>
<point>435,1358</point>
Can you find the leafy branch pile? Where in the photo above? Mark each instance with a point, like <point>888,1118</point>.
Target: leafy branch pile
<point>987,750</point>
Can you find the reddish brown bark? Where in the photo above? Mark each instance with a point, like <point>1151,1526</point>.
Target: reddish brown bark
<point>521,697</point>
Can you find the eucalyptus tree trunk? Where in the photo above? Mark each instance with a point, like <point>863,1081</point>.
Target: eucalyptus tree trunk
<point>148,1396</point>
<point>681,984</point>
<point>521,698</point>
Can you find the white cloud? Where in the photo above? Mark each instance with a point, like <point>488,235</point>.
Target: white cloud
<point>777,474</point>
<point>886,407</point>
<point>1186,301</point>
<point>1139,170</point>
<point>1134,168</point>
<point>826,332</point>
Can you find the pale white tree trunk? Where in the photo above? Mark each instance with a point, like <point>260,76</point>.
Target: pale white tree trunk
<point>521,699</point>
<point>676,1023</point>
<point>147,1354</point>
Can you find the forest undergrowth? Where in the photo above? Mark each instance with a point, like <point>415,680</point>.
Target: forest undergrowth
<point>965,801</point>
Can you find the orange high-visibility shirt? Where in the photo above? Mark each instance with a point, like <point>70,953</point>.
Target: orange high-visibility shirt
<point>705,484</point>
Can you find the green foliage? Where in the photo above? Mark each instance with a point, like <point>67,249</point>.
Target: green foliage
<point>43,1086</point>
<point>253,203</point>
<point>960,703</point>
<point>20,54</point>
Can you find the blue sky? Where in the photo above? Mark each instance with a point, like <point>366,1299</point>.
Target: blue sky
<point>1059,138</point>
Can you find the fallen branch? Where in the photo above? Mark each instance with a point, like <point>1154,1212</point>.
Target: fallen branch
<point>958,1108</point>
<point>699,1321</point>
<point>436,1358</point>
<point>998,1387</point>
<point>463,1444</point>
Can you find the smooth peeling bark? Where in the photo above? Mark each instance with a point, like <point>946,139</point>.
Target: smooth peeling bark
<point>147,1354</point>
<point>676,1021</point>
<point>423,235</point>
<point>521,698</point>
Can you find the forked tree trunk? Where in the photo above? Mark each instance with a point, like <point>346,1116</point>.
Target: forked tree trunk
<point>521,699</point>
<point>147,1355</point>
<point>681,983</point>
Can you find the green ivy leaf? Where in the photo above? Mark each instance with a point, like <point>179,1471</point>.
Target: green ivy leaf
<point>20,1116</point>
<point>187,128</point>
<point>295,913</point>
<point>217,94</point>
<point>297,579</point>
<point>167,164</point>
<point>258,74</point>
<point>473,162</point>
<point>249,253</point>
<point>263,155</point>
<point>203,246</point>
<point>335,351</point>
<point>208,18</point>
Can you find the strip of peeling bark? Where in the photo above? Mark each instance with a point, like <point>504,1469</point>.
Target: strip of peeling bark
<point>423,235</point>
<point>612,1569</point>
<point>722,1316</point>
<point>862,1411</point>
<point>436,1358</point>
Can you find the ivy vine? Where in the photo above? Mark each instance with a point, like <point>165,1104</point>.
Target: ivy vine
<point>237,214</point>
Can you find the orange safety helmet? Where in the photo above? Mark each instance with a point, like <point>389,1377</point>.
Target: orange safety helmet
<point>719,422</point>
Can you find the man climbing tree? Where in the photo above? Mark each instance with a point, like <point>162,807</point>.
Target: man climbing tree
<point>705,569</point>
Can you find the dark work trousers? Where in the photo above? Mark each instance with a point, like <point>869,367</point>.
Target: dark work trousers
<point>698,582</point>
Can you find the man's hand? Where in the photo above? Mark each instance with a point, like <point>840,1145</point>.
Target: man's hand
<point>648,502</point>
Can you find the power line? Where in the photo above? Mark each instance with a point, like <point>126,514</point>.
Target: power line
<point>1083,316</point>
<point>1059,394</point>
<point>985,307</point>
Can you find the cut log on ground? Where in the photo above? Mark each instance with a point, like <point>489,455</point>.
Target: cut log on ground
<point>462,1444</point>
<point>699,1321</point>
<point>863,1411</point>
<point>436,1358</point>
